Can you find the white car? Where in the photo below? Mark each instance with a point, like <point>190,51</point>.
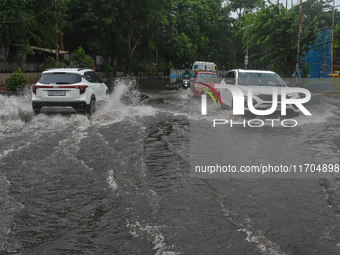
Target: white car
<point>68,90</point>
<point>261,83</point>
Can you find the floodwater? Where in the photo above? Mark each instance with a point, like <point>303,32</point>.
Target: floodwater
<point>119,182</point>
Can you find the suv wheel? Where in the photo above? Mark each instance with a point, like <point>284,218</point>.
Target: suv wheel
<point>92,106</point>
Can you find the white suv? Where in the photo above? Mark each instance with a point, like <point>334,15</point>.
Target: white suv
<point>68,90</point>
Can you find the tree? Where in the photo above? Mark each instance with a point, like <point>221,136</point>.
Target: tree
<point>242,7</point>
<point>78,58</point>
<point>48,20</point>
<point>96,30</point>
<point>271,35</point>
<point>14,24</point>
<point>29,23</point>
<point>319,11</point>
<point>139,21</point>
<point>196,31</point>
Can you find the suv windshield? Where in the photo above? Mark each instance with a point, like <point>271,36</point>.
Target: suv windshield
<point>260,79</point>
<point>60,78</point>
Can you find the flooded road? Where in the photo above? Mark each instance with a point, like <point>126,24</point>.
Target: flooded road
<point>119,183</point>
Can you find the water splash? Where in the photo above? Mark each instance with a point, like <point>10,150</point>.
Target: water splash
<point>15,111</point>
<point>124,102</point>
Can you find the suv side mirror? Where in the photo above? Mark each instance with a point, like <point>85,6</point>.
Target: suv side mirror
<point>230,81</point>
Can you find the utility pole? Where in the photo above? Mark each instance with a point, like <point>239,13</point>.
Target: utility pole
<point>332,61</point>
<point>299,41</point>
<point>56,31</point>
<point>332,68</point>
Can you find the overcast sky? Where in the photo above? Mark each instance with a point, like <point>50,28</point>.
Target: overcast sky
<point>296,2</point>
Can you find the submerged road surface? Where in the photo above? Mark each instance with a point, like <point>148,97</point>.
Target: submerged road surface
<point>119,182</point>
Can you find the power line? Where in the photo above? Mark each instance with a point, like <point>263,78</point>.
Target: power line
<point>22,20</point>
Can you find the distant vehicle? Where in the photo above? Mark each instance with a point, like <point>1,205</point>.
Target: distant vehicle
<point>186,83</point>
<point>186,79</point>
<point>201,79</point>
<point>261,83</point>
<point>204,66</point>
<point>336,74</point>
<point>68,90</point>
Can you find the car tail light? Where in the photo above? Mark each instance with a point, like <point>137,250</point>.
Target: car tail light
<point>35,87</point>
<point>82,88</point>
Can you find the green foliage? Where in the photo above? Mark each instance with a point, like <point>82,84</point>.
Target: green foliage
<point>305,69</point>
<point>10,30</point>
<point>16,81</point>
<point>242,7</point>
<point>51,62</point>
<point>337,41</point>
<point>199,30</point>
<point>109,71</point>
<point>151,68</point>
<point>78,58</point>
<point>24,23</point>
<point>270,33</point>
<point>171,66</point>
<point>133,34</point>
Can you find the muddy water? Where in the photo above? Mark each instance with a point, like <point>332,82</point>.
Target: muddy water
<point>119,183</point>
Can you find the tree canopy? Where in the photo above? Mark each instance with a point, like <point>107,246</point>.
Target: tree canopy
<point>135,36</point>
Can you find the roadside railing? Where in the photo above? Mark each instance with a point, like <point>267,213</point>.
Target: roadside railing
<point>176,75</point>
<point>10,67</point>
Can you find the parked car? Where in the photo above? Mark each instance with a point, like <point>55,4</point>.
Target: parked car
<point>68,90</point>
<point>261,82</point>
<point>201,79</point>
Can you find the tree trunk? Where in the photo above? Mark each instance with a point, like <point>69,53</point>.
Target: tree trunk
<point>113,53</point>
<point>131,49</point>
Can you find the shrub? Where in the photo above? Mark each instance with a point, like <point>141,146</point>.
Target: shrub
<point>78,58</point>
<point>16,81</point>
<point>109,71</point>
<point>151,68</point>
